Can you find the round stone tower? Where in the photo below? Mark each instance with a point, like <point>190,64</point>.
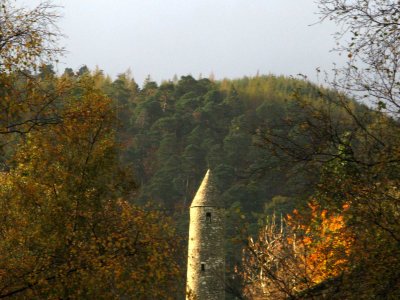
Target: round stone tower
<point>206,255</point>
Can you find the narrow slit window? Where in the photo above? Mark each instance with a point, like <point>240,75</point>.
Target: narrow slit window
<point>208,217</point>
<point>203,267</point>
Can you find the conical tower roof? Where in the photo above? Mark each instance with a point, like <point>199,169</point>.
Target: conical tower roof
<point>207,194</point>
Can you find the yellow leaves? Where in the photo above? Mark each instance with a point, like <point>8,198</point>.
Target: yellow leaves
<point>62,217</point>
<point>28,37</point>
<point>324,240</point>
<point>313,246</point>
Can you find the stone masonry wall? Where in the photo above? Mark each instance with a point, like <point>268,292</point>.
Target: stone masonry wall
<point>206,258</point>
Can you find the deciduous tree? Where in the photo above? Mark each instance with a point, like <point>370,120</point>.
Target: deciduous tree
<point>291,258</point>
<point>68,229</point>
<point>352,135</point>
<point>29,40</point>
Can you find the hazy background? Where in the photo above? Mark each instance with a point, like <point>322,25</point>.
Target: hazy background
<point>229,38</point>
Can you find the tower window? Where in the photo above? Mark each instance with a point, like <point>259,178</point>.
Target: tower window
<point>208,217</point>
<point>203,267</point>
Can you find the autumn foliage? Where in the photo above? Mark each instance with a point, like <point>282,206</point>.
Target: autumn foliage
<point>67,225</point>
<point>289,259</point>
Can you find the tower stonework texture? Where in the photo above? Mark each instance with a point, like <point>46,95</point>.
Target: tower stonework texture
<point>206,255</point>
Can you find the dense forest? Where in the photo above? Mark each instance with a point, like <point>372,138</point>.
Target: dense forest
<point>173,132</point>
<point>97,173</point>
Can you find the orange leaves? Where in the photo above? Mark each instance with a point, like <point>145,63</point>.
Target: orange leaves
<point>311,247</point>
<point>323,240</point>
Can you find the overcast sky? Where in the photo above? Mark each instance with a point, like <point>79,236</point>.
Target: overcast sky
<point>229,38</point>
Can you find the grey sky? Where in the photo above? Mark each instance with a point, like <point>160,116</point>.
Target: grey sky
<point>230,38</point>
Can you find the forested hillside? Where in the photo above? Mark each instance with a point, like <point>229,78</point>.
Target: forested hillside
<point>105,142</point>
<point>97,173</point>
<point>173,132</point>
